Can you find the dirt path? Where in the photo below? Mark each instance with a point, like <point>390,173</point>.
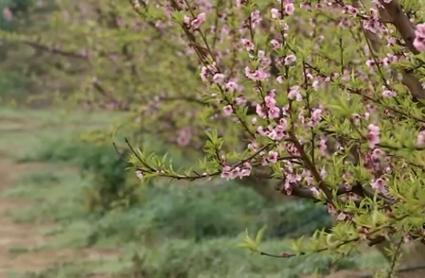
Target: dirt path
<point>15,236</point>
<point>20,243</point>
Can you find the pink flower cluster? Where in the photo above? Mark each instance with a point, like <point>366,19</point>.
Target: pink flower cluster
<point>196,22</point>
<point>256,75</point>
<point>208,73</point>
<point>276,133</point>
<point>379,185</point>
<point>270,158</point>
<point>292,178</point>
<point>288,9</point>
<point>373,24</point>
<point>255,18</point>
<point>419,42</point>
<point>294,93</point>
<point>260,73</point>
<point>268,109</point>
<point>372,135</point>
<point>377,162</point>
<point>231,173</point>
<point>316,116</point>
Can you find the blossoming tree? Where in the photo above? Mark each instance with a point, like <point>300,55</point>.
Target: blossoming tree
<point>324,99</point>
<point>303,95</point>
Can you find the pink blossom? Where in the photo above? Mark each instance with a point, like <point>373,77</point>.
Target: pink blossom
<point>391,41</point>
<point>323,147</point>
<point>316,116</point>
<point>317,84</point>
<point>289,8</point>
<point>232,86</point>
<point>379,185</point>
<point>269,99</point>
<point>227,110</point>
<point>256,18</point>
<point>373,23</point>
<point>278,133</point>
<point>292,180</point>
<point>279,79</point>
<point>230,173</point>
<point>348,9</point>
<point>256,75</point>
<point>271,158</point>
<point>370,63</point>
<point>388,93</point>
<point>265,61</point>
<point>373,135</point>
<point>208,72</point>
<point>419,42</point>
<point>247,44</point>
<point>198,21</point>
<point>218,78</point>
<point>291,149</point>
<point>204,74</point>
<point>377,155</point>
<point>389,59</point>
<point>240,101</point>
<point>275,13</point>
<point>226,173</point>
<point>273,112</point>
<point>420,139</point>
<point>275,44</point>
<point>294,93</point>
<point>261,111</point>
<point>290,60</point>
<point>245,170</point>
<point>186,20</point>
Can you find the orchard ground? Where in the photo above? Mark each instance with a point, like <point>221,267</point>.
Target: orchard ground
<point>50,224</point>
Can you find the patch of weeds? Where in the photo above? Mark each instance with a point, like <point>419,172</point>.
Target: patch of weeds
<point>18,250</point>
<point>109,267</point>
<point>58,196</point>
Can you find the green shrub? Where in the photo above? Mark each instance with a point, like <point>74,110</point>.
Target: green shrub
<point>220,258</point>
<point>97,162</point>
<point>204,212</point>
<point>129,212</point>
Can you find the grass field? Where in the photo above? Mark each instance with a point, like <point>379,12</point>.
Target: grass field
<point>54,221</point>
